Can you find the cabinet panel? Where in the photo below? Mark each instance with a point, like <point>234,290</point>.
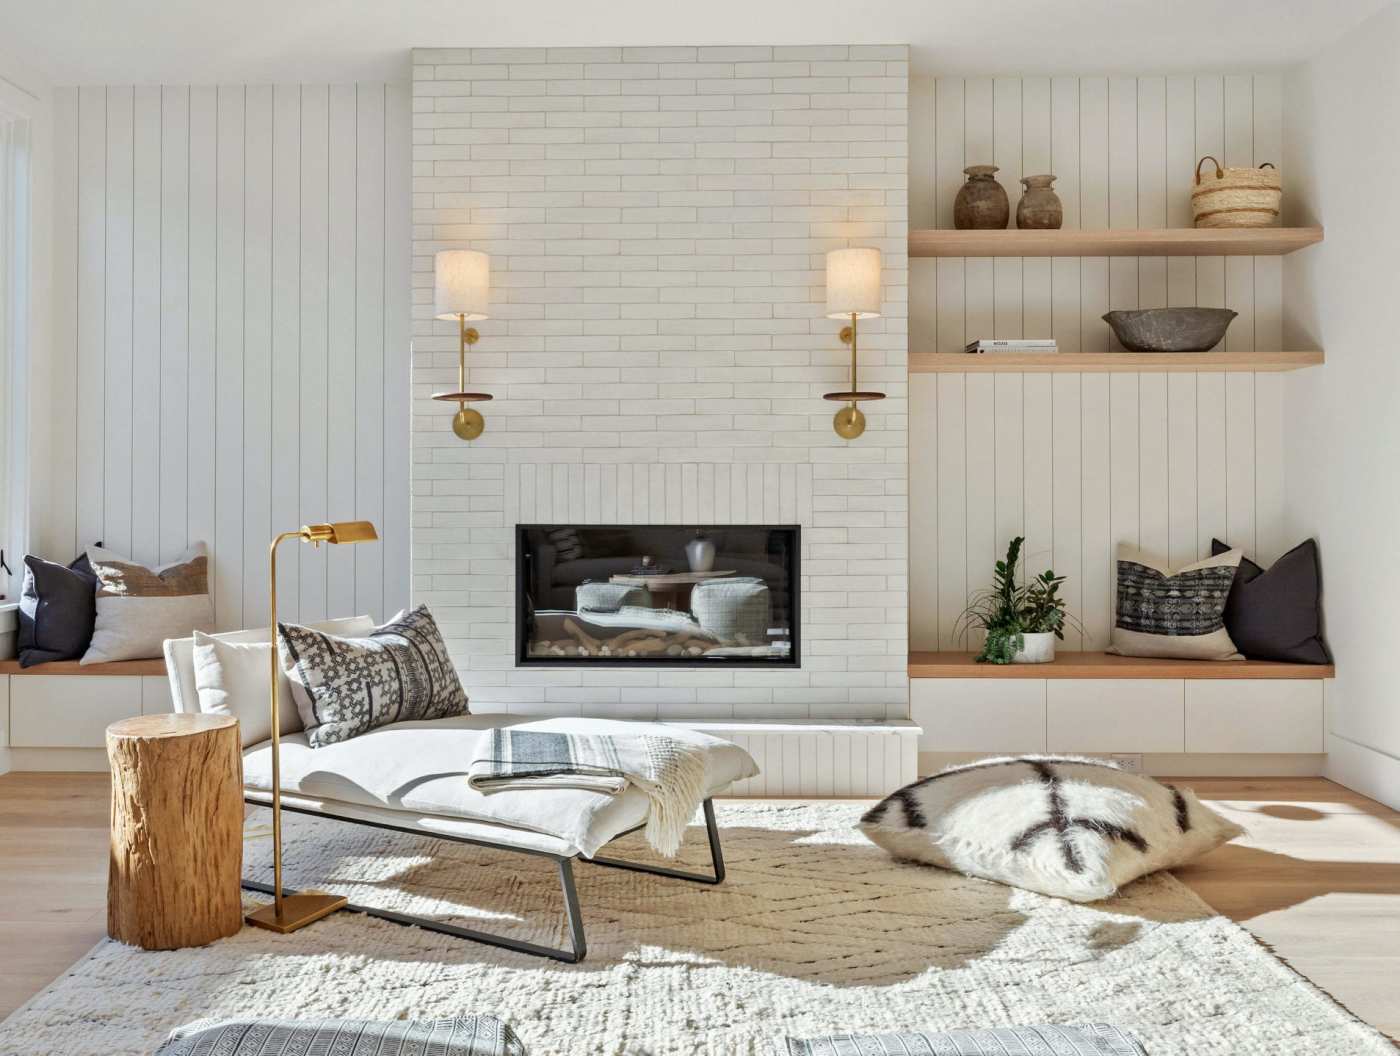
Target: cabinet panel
<point>1115,715</point>
<point>69,711</point>
<point>979,714</point>
<point>1268,715</point>
<point>155,695</point>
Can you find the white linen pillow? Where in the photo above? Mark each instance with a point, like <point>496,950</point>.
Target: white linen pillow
<point>1060,825</point>
<point>139,607</point>
<point>231,677</point>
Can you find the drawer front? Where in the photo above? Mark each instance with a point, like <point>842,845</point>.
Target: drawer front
<point>69,711</point>
<point>1254,715</point>
<point>1102,715</point>
<point>979,714</point>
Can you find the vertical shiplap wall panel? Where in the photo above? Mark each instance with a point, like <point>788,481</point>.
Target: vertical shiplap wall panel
<point>1078,463</point>
<point>240,333</point>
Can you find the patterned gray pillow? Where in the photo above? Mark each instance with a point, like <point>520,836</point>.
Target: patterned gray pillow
<point>468,1036</point>
<point>1177,613</point>
<point>344,687</point>
<point>1094,1039</point>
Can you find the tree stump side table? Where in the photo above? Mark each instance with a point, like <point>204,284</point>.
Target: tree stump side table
<point>176,857</point>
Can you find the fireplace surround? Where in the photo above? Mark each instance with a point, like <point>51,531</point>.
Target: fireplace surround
<point>650,594</point>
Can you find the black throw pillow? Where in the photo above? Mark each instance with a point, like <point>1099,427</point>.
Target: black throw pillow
<point>1277,614</point>
<point>57,608</point>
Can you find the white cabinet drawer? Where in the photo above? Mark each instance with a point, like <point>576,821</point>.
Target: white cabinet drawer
<point>1102,715</point>
<point>979,714</point>
<point>69,711</point>
<point>1254,715</point>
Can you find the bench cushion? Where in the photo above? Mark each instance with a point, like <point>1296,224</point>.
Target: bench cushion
<point>418,770</point>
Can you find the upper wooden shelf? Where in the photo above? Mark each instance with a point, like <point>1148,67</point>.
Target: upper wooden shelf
<point>1213,362</point>
<point>1102,665</point>
<point>1163,242</point>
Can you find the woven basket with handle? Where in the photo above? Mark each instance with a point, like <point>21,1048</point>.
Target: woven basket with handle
<point>1236,197</point>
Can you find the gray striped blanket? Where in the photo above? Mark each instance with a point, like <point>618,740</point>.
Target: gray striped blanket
<point>670,773</point>
<point>1093,1039</point>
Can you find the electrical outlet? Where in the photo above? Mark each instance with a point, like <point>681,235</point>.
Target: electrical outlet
<point>1128,761</point>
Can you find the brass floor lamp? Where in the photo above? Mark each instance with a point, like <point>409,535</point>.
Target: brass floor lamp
<point>290,912</point>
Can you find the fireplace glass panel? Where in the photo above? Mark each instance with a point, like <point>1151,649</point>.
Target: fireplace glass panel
<point>657,594</point>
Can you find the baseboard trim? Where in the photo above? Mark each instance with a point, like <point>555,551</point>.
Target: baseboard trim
<point>1177,764</point>
<point>55,760</point>
<point>1364,769</point>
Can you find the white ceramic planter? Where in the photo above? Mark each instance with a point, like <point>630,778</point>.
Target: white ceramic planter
<point>1038,649</point>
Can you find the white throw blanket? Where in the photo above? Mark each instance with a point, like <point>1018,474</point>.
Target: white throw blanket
<point>671,773</point>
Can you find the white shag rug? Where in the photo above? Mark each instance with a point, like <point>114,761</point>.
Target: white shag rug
<point>815,932</point>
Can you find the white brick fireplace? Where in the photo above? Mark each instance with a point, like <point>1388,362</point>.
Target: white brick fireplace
<point>657,220</point>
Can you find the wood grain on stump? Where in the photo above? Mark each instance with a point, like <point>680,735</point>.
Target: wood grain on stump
<point>177,830</point>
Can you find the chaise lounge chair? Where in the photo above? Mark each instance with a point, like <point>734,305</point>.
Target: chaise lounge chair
<point>411,777</point>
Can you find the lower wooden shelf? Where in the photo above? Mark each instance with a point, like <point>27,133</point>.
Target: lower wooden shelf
<point>73,667</point>
<point>1103,665</point>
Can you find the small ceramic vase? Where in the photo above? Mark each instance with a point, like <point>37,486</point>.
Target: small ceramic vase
<point>1039,208</point>
<point>700,553</point>
<point>981,204</point>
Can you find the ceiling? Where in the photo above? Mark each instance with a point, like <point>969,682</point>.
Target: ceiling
<point>210,41</point>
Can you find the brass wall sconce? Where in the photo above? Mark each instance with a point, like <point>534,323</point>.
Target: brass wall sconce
<point>288,912</point>
<point>852,291</point>
<point>461,289</point>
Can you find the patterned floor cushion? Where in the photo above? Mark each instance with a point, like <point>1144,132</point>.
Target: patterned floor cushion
<point>1063,826</point>
<point>467,1036</point>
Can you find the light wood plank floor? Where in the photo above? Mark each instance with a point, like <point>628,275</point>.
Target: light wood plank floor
<point>1317,880</point>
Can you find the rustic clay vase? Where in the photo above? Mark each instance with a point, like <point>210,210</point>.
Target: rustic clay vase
<point>1039,208</point>
<point>981,204</point>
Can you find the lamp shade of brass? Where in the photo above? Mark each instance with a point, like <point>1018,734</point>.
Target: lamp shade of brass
<point>853,397</point>
<point>468,423</point>
<point>340,532</point>
<point>848,422</point>
<point>463,397</point>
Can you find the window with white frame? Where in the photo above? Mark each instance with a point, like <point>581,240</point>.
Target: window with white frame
<point>15,160</point>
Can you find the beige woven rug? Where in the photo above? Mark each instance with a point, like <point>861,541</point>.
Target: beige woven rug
<point>814,932</point>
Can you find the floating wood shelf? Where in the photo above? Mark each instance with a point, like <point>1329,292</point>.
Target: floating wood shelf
<point>1163,242</point>
<point>1213,362</point>
<point>1102,665</point>
<point>73,667</point>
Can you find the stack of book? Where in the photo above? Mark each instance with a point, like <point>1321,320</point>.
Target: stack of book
<point>1046,344</point>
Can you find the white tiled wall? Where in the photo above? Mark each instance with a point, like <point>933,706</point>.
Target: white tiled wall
<point>658,220</point>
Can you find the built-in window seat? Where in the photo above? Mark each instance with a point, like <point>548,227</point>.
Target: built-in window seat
<point>1247,717</point>
<point>55,715</point>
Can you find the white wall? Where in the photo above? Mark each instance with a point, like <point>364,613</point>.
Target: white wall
<point>658,220</point>
<point>231,337</point>
<point>1344,429</point>
<point>1080,462</point>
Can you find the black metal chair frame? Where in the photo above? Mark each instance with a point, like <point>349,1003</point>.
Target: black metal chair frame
<point>578,947</point>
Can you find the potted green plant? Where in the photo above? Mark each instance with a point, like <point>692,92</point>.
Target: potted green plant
<point>1022,621</point>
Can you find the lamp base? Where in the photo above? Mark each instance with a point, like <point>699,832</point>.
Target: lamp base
<point>299,910</point>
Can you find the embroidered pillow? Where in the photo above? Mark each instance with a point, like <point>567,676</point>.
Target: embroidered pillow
<point>467,1036</point>
<point>1276,614</point>
<point>1060,825</point>
<point>1173,613</point>
<point>139,607</point>
<point>344,687</point>
<point>56,610</point>
<point>231,677</point>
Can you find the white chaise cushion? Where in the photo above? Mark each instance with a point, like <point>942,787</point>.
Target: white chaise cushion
<point>1060,825</point>
<point>420,768</point>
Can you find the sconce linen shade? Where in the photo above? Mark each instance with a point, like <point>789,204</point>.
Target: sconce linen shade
<point>461,284</point>
<point>853,283</point>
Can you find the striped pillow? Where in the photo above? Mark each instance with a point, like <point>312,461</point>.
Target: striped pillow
<point>1094,1039</point>
<point>467,1036</point>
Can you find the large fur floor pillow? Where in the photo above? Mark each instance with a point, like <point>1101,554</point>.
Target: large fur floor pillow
<point>1060,825</point>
